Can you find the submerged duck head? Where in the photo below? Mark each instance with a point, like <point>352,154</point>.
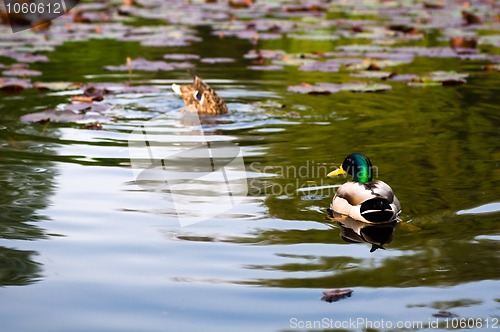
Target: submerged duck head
<point>356,164</point>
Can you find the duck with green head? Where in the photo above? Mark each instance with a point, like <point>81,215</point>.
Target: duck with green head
<point>364,199</point>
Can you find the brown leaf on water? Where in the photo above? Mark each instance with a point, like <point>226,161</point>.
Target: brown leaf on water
<point>492,67</point>
<point>240,4</point>
<point>445,314</point>
<point>181,56</point>
<point>433,5</point>
<point>335,295</point>
<point>217,60</point>
<point>28,57</point>
<point>13,84</point>
<point>94,126</point>
<point>407,29</point>
<point>318,89</point>
<point>86,99</point>
<point>57,86</point>
<point>52,116</point>
<point>304,8</point>
<point>471,18</point>
<point>21,69</point>
<point>146,65</point>
<point>86,107</point>
<point>463,42</point>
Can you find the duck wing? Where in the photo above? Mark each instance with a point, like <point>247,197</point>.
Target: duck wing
<point>370,202</point>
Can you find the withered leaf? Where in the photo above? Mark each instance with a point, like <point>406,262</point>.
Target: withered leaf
<point>335,295</point>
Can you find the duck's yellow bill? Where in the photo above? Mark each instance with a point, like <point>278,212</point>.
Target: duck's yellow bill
<point>338,171</point>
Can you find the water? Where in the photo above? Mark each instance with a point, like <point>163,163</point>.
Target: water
<point>83,247</point>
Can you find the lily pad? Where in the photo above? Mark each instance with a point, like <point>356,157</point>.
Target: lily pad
<point>318,89</point>
<point>265,54</point>
<point>85,107</point>
<point>428,83</point>
<point>314,37</point>
<point>170,42</point>
<point>365,87</point>
<point>266,68</point>
<point>492,67</point>
<point>372,74</point>
<point>326,66</point>
<point>21,72</point>
<point>53,116</point>
<point>445,314</point>
<point>57,86</point>
<point>373,64</point>
<point>436,78</point>
<point>142,64</point>
<point>335,295</point>
<point>217,60</point>
<point>118,88</point>
<point>402,77</point>
<point>181,56</point>
<point>14,84</point>
<point>28,57</point>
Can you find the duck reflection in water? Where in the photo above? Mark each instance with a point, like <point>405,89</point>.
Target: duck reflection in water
<point>355,231</point>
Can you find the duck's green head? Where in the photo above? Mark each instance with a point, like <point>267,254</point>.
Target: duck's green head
<point>356,164</point>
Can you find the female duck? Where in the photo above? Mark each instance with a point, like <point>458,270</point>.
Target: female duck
<point>201,96</point>
<point>363,199</point>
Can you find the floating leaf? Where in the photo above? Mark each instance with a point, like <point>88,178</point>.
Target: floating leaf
<point>142,64</point>
<point>313,37</point>
<point>492,67</point>
<point>373,74</point>
<point>53,116</point>
<point>265,54</point>
<point>86,107</point>
<point>86,99</point>
<point>318,89</point>
<point>463,42</point>
<point>365,87</point>
<point>446,78</point>
<point>28,57</point>
<point>94,126</point>
<point>360,48</point>
<point>267,68</point>
<point>217,60</point>
<point>21,72</point>
<point>402,77</point>
<point>433,5</point>
<point>335,295</point>
<point>326,66</point>
<point>13,84</point>
<point>117,88</point>
<point>57,86</point>
<point>170,42</point>
<point>445,314</point>
<point>471,18</point>
<point>373,64</point>
<point>427,83</point>
<point>181,56</point>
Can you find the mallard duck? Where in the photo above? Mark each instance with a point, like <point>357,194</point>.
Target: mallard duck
<point>201,96</point>
<point>363,199</point>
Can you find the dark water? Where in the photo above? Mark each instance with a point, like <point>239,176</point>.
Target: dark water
<point>83,247</point>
